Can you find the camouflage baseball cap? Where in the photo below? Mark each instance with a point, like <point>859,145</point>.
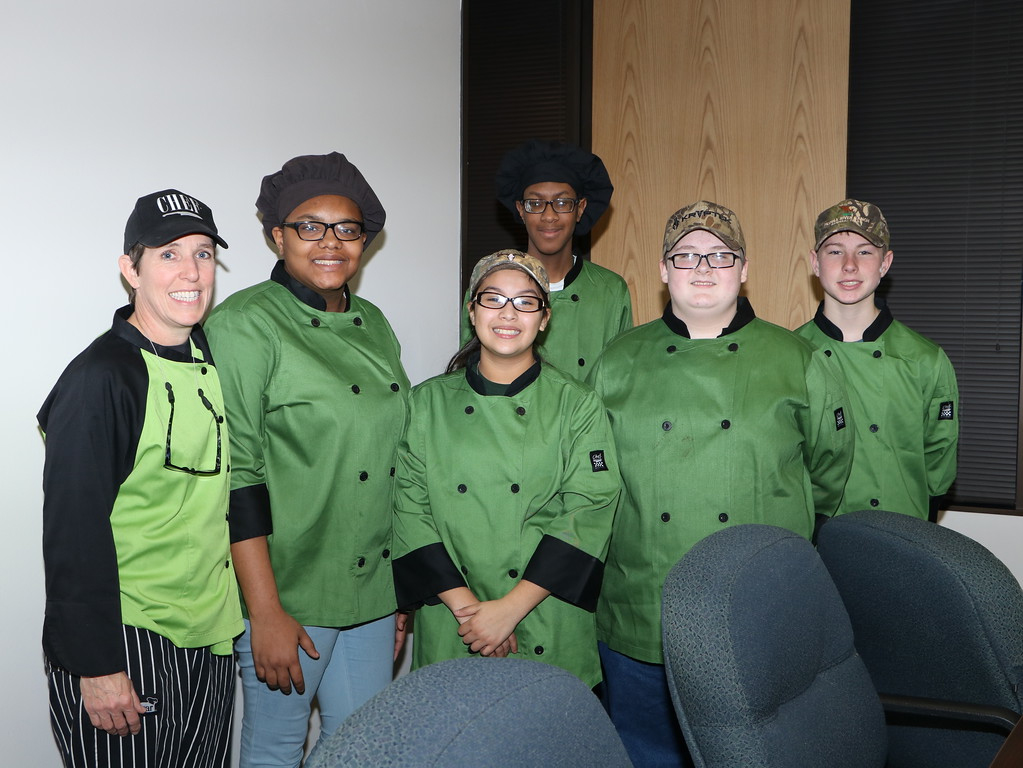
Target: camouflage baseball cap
<point>713,218</point>
<point>509,259</point>
<point>852,216</point>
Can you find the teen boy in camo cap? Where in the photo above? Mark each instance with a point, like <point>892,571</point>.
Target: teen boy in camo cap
<point>902,387</point>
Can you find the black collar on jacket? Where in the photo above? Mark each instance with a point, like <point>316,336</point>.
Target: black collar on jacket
<point>478,385</point>
<point>179,353</point>
<point>573,273</point>
<point>873,331</point>
<point>744,314</point>
<point>302,292</point>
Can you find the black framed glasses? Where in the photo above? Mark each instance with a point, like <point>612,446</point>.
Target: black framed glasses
<point>491,300</point>
<point>317,230</point>
<point>716,260</point>
<point>167,463</point>
<point>559,204</point>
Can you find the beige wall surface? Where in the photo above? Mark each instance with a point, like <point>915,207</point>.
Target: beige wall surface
<point>742,102</point>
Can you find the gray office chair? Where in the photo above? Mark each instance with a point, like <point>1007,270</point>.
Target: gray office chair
<point>500,713</point>
<point>935,616</point>
<point>760,659</point>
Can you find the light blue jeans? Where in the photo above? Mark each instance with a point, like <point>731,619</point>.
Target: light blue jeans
<point>354,665</point>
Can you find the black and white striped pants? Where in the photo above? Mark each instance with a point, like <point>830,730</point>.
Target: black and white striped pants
<point>191,693</point>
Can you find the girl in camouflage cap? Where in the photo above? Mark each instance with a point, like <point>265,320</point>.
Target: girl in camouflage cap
<point>505,489</point>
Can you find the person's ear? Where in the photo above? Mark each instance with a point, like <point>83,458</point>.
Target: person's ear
<point>886,262</point>
<point>128,271</point>
<point>278,235</point>
<point>580,208</point>
<point>745,271</point>
<point>815,263</point>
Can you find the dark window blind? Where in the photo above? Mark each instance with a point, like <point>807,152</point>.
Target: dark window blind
<point>525,75</point>
<point>936,140</point>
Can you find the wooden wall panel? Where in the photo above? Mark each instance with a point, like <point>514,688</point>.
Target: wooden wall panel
<point>742,102</point>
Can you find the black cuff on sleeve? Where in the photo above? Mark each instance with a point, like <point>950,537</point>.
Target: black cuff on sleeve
<point>569,573</point>
<point>422,574</point>
<point>249,515</point>
<point>85,639</point>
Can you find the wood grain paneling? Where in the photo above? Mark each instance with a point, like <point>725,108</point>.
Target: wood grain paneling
<point>742,102</point>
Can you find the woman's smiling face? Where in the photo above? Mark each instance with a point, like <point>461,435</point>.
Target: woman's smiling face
<point>326,265</point>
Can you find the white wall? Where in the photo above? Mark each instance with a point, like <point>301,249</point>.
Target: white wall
<point>104,101</point>
<point>1002,534</point>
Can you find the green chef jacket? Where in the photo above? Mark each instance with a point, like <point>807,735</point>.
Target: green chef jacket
<point>493,489</point>
<point>592,308</point>
<point>317,402</point>
<point>748,427</point>
<point>905,413</point>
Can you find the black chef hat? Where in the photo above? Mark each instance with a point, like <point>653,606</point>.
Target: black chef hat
<point>309,176</point>
<point>540,161</point>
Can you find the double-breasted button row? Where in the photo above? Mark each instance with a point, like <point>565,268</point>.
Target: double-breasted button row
<point>514,488</point>
<point>520,410</point>
<point>666,516</point>
<point>667,425</point>
<point>395,386</point>
<point>361,561</point>
<point>315,322</point>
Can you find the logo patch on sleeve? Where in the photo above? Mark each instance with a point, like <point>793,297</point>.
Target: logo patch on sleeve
<point>597,460</point>
<point>946,412</point>
<point>839,419</point>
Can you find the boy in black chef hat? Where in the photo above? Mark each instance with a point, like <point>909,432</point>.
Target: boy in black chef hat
<point>559,190</point>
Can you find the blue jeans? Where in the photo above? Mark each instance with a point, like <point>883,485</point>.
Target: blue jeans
<point>637,699</point>
<point>355,664</point>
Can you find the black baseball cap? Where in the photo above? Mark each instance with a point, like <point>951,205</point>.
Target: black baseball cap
<point>164,216</point>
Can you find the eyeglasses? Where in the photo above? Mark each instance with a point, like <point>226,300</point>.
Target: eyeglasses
<point>168,464</point>
<point>559,204</point>
<point>717,260</point>
<point>317,230</point>
<point>491,300</point>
